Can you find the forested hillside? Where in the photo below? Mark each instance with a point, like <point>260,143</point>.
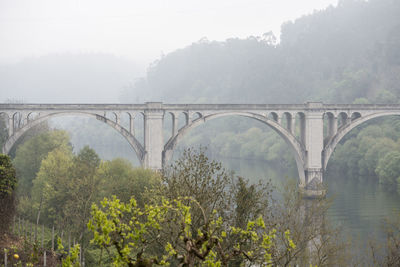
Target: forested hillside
<point>344,54</point>
<point>335,55</point>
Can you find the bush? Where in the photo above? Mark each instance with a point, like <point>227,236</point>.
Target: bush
<point>8,183</point>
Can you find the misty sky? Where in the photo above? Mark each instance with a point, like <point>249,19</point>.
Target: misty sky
<point>140,30</point>
<point>75,51</point>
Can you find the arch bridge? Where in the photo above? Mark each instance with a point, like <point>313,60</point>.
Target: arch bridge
<point>300,125</point>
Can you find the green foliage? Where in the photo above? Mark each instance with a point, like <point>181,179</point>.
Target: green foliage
<point>132,231</point>
<point>8,180</point>
<point>214,188</point>
<point>8,183</point>
<point>388,169</point>
<point>216,192</point>
<point>72,257</point>
<point>30,154</point>
<point>251,201</point>
<point>125,226</point>
<point>50,188</point>
<point>66,186</point>
<point>119,177</point>
<point>194,175</point>
<point>364,156</point>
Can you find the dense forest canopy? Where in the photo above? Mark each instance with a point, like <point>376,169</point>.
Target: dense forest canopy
<point>335,55</point>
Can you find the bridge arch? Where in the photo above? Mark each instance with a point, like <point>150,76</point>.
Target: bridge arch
<point>5,115</point>
<point>135,144</point>
<point>355,115</point>
<point>357,120</point>
<point>31,116</point>
<point>342,119</point>
<point>273,116</point>
<point>196,115</point>
<point>296,147</point>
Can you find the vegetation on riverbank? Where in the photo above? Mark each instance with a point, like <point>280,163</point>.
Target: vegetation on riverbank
<point>193,205</point>
<point>222,207</point>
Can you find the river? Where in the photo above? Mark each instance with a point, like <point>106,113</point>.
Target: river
<point>358,207</point>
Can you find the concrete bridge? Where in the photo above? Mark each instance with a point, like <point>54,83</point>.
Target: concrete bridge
<point>300,125</point>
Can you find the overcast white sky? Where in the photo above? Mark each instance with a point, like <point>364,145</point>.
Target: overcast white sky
<point>141,30</point>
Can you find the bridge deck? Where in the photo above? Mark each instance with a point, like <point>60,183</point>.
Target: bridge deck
<point>157,105</point>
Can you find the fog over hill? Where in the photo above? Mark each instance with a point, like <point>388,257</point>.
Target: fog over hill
<point>339,55</point>
<point>67,78</point>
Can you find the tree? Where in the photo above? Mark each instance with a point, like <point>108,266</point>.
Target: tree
<point>236,202</point>
<point>118,177</point>
<point>133,231</point>
<point>385,97</point>
<point>30,154</point>
<point>388,169</point>
<point>50,187</point>
<point>67,185</point>
<point>251,201</point>
<point>377,148</point>
<point>194,175</point>
<point>8,183</point>
<point>387,254</point>
<point>82,189</point>
<point>317,242</point>
<point>65,188</point>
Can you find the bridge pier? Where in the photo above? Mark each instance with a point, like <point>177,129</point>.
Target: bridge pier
<point>314,144</point>
<point>153,136</point>
<point>313,187</point>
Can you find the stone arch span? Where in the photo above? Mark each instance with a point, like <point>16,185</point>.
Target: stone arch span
<point>334,140</point>
<point>135,144</point>
<point>296,147</point>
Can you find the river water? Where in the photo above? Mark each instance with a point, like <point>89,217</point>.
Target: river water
<point>358,207</point>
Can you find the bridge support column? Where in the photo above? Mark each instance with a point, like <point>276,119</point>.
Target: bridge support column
<point>291,123</point>
<point>332,126</point>
<point>132,124</point>
<point>153,135</point>
<point>314,145</point>
<point>10,126</point>
<point>174,124</point>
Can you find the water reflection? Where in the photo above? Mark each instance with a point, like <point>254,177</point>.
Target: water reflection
<point>359,207</point>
